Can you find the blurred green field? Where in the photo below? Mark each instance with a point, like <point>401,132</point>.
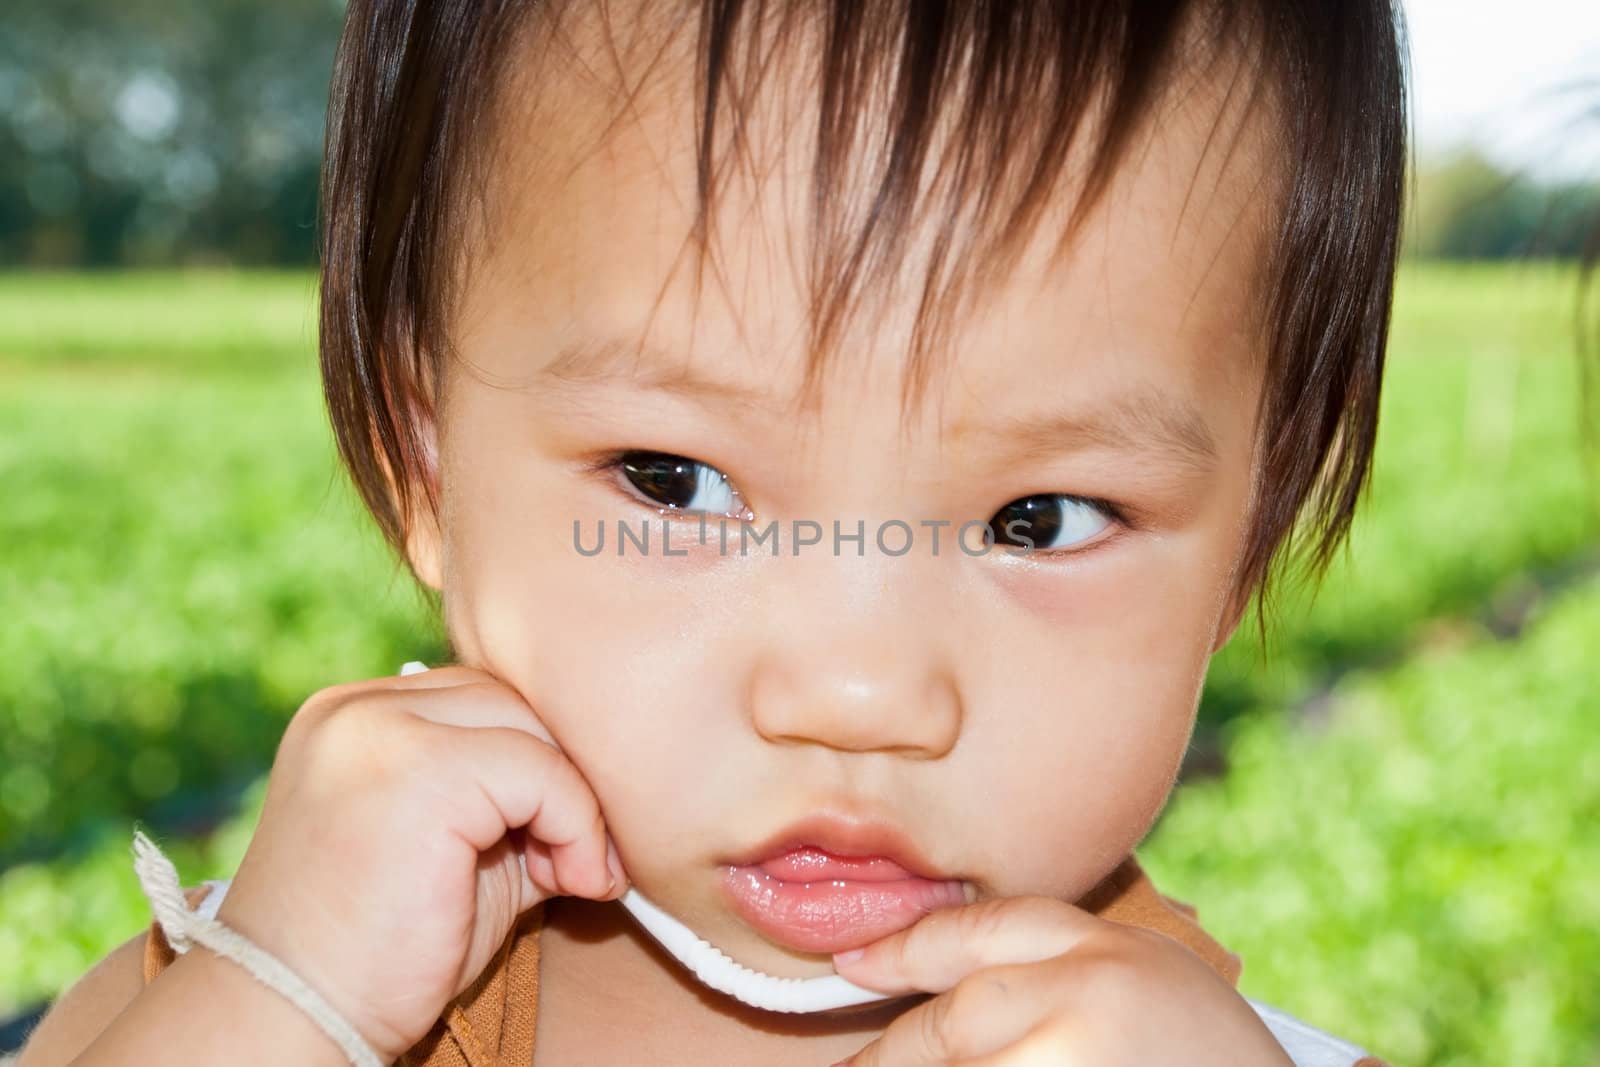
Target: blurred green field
<point>1422,876</point>
<point>1414,865</point>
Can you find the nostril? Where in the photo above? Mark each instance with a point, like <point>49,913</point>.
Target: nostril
<point>889,706</point>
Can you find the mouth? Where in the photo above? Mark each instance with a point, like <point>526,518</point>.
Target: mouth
<point>829,883</point>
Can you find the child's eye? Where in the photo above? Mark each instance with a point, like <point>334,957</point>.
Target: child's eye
<point>1051,522</point>
<point>678,483</point>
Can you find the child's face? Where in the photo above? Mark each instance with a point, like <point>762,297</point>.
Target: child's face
<point>1020,719</point>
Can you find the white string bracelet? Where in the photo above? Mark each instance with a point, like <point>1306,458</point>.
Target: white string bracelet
<point>159,880</point>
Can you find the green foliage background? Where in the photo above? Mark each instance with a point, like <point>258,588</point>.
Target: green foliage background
<point>1402,847</point>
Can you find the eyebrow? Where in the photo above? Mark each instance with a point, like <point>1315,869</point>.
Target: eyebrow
<point>613,361</point>
<point>1146,419</point>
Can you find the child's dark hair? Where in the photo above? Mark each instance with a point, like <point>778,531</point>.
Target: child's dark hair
<point>406,130</point>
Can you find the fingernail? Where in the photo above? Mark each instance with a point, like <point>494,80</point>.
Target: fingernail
<point>614,863</point>
<point>848,957</point>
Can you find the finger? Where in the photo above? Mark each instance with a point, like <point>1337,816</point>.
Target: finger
<point>431,674</point>
<point>480,702</point>
<point>541,867</point>
<point>1025,1053</point>
<point>508,854</point>
<point>524,782</point>
<point>329,700</point>
<point>477,700</point>
<point>946,945</point>
<point>989,1012</point>
<point>445,677</point>
<point>433,678</point>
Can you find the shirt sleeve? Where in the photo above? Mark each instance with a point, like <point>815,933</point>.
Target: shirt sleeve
<point>1309,1047</point>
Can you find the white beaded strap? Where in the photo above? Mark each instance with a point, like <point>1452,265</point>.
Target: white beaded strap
<point>159,879</point>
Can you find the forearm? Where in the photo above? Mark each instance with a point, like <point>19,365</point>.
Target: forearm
<point>204,1009</point>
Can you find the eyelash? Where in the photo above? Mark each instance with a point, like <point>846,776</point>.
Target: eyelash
<point>611,462</point>
<point>1122,522</point>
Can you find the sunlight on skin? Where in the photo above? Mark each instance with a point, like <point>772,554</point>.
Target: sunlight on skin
<point>1022,720</point>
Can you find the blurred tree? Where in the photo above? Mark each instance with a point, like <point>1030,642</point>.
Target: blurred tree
<point>1468,207</point>
<point>161,131</point>
<point>149,132</point>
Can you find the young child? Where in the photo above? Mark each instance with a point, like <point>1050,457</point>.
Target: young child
<point>1033,334</point>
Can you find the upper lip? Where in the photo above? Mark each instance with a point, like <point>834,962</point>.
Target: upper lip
<point>843,835</point>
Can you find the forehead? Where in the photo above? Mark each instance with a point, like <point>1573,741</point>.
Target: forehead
<point>584,247</point>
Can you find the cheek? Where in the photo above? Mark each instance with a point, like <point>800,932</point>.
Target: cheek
<point>1077,774</point>
<point>1079,684</point>
<point>599,653</point>
<point>1084,718</point>
<point>607,672</point>
<point>605,657</point>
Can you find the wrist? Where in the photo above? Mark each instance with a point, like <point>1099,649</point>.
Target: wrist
<point>204,1009</point>
<point>309,971</point>
<point>246,969</point>
<point>259,1014</point>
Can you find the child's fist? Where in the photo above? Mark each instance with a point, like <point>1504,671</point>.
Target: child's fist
<point>391,859</point>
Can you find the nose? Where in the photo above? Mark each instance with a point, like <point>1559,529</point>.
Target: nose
<point>851,663</point>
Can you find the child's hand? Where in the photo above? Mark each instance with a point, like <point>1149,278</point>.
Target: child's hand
<point>389,863</point>
<point>1034,980</point>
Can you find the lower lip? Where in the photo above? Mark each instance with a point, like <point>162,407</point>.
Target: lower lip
<point>832,914</point>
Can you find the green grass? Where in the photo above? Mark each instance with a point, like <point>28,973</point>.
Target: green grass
<point>223,322</point>
<point>1478,481</point>
<point>1423,875</point>
<point>185,564</point>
